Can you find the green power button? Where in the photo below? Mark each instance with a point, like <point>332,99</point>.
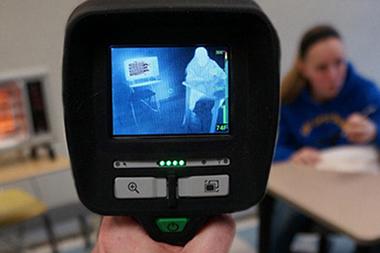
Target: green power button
<point>172,225</point>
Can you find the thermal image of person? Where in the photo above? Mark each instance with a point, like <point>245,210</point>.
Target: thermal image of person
<point>204,75</point>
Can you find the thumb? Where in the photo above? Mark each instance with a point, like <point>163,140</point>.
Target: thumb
<point>216,236</point>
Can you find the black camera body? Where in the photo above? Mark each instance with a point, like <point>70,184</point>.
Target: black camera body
<point>127,66</point>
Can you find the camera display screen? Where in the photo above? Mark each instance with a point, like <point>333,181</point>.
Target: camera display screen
<point>170,90</point>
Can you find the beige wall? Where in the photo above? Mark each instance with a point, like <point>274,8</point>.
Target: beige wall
<point>31,35</point>
<point>357,20</point>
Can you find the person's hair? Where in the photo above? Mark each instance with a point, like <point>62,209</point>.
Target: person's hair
<point>294,82</point>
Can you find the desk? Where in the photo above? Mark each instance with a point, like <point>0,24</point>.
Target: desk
<point>345,203</point>
<point>203,90</point>
<point>148,83</point>
<point>18,171</point>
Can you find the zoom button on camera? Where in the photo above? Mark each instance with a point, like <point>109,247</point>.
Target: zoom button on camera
<point>204,186</point>
<point>140,187</point>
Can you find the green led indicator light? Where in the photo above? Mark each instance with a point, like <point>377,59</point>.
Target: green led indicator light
<point>171,163</point>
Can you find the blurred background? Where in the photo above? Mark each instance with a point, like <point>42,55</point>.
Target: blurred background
<point>31,46</point>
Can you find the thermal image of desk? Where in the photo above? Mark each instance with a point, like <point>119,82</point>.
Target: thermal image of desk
<point>215,93</point>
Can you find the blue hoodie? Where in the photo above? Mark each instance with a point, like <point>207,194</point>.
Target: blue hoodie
<point>305,122</point>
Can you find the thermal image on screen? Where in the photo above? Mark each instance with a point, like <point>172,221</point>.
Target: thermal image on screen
<point>170,90</point>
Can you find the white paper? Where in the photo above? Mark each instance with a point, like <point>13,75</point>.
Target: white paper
<point>350,159</point>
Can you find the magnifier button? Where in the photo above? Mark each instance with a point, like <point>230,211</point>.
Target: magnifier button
<point>132,186</point>
<point>140,187</point>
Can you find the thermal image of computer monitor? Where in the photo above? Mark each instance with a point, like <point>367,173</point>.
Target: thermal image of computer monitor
<point>170,90</point>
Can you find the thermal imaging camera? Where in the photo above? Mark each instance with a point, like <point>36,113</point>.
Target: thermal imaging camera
<point>171,109</point>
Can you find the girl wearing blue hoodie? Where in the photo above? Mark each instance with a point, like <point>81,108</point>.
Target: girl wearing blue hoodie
<point>325,102</point>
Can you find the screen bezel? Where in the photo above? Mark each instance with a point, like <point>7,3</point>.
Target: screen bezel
<point>224,135</point>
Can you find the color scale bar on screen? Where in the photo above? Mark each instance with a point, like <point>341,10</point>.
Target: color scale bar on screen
<point>225,114</point>
<point>225,107</point>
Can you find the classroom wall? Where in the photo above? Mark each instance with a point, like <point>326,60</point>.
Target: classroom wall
<point>31,36</point>
<point>357,20</point>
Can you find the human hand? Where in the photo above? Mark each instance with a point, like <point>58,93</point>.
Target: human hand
<point>306,156</point>
<point>125,235</point>
<point>359,129</point>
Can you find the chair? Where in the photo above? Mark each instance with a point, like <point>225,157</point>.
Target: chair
<point>74,211</point>
<point>18,206</point>
<point>143,96</point>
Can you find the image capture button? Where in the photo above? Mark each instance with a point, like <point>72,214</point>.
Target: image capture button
<point>140,187</point>
<point>172,225</point>
<point>204,186</point>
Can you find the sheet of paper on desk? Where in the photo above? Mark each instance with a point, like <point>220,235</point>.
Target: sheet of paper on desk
<point>350,159</point>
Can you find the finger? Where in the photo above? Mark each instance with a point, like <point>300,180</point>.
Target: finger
<point>354,125</point>
<point>302,156</point>
<point>355,130</point>
<point>305,161</point>
<point>311,154</point>
<point>358,139</point>
<point>359,132</point>
<point>216,236</point>
<point>356,117</point>
<point>314,158</point>
<point>359,136</point>
<point>311,159</point>
<point>356,121</point>
<point>297,159</point>
<point>301,159</point>
<point>354,134</point>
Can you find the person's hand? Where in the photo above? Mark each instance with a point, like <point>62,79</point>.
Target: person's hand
<point>306,156</point>
<point>359,129</point>
<point>125,235</point>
